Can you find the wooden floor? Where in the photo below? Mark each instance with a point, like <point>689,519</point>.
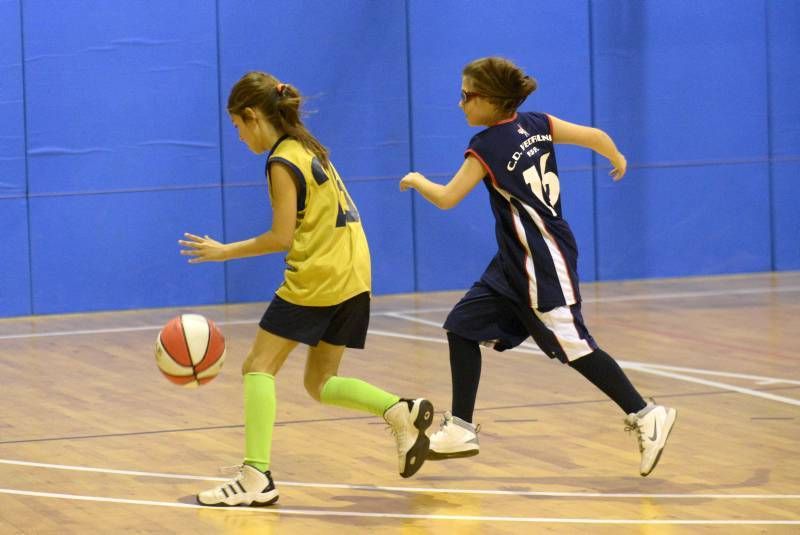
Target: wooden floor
<point>94,440</point>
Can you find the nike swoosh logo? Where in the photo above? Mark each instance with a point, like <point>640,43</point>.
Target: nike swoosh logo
<point>655,435</point>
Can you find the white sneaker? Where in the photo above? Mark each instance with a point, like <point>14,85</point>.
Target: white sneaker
<point>652,425</point>
<point>408,420</point>
<point>251,486</point>
<point>455,438</point>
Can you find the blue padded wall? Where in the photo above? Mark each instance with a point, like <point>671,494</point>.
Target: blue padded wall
<point>454,247</point>
<point>121,109</point>
<point>123,156</point>
<point>352,64</point>
<point>14,267</point>
<point>247,213</point>
<point>683,86</point>
<point>784,79</point>
<point>116,251</point>
<point>133,88</point>
<point>685,221</point>
<point>15,283</point>
<point>12,127</point>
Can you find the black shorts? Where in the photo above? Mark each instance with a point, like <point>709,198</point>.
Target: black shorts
<point>485,316</point>
<point>344,324</point>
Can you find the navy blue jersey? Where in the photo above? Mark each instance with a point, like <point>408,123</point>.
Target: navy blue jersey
<point>537,260</point>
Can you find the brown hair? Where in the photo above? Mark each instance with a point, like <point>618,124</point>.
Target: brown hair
<point>504,84</point>
<point>280,104</point>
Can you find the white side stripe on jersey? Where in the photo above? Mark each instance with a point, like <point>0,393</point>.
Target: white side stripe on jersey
<point>558,258</point>
<point>532,288</point>
<point>562,324</point>
<point>559,261</point>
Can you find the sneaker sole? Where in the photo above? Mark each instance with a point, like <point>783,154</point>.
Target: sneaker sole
<point>268,499</point>
<point>415,457</point>
<point>441,456</point>
<point>670,424</point>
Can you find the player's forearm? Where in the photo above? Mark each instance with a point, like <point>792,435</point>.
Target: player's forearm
<point>602,144</point>
<point>266,243</point>
<point>433,192</point>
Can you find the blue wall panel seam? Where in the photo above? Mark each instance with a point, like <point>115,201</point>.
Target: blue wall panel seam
<point>25,152</point>
<point>411,166</point>
<point>595,231</point>
<point>221,160</point>
<point>770,155</point>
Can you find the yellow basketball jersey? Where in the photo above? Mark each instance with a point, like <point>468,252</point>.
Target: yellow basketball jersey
<point>328,261</point>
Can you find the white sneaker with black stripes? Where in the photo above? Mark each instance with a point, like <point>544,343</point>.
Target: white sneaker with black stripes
<point>251,486</point>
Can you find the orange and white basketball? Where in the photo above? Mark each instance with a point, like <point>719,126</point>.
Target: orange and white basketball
<point>190,350</point>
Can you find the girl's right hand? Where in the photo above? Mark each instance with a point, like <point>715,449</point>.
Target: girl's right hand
<point>202,249</point>
<point>620,165</point>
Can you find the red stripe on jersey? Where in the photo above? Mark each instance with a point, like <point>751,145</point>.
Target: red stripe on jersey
<point>484,164</point>
<point>504,121</point>
<point>550,122</point>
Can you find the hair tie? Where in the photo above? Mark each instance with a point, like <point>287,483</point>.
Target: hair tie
<point>280,88</point>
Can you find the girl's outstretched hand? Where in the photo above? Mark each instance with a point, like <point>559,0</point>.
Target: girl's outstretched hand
<point>202,249</point>
<point>409,181</point>
<point>620,165</point>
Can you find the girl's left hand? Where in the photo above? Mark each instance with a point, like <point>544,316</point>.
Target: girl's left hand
<point>409,181</point>
<point>202,249</point>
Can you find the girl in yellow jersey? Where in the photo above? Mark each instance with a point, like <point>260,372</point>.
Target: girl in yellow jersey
<point>324,299</point>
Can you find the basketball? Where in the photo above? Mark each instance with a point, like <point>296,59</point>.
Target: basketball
<point>190,350</point>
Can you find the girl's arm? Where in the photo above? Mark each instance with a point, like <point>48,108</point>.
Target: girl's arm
<point>591,138</point>
<point>278,238</point>
<point>446,196</point>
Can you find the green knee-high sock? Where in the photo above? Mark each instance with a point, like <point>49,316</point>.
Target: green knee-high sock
<point>259,418</point>
<point>356,394</point>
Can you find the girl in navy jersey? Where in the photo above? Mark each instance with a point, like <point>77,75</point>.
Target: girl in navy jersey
<point>530,287</point>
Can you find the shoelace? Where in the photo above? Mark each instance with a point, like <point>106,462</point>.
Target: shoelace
<point>629,427</point>
<point>230,470</point>
<point>448,420</point>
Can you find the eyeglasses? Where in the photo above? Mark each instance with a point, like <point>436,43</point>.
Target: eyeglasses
<point>467,95</point>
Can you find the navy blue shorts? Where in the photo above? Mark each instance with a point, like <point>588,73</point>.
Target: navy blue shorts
<point>344,324</point>
<point>487,317</point>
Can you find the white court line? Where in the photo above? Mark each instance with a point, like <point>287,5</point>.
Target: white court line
<point>413,319</point>
<point>533,347</point>
<point>641,367</point>
<point>683,295</point>
<point>640,297</point>
<point>757,378</point>
<point>674,295</point>
<point>525,348</point>
<point>653,369</point>
<point>316,512</point>
<point>724,386</point>
<point>426,490</point>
